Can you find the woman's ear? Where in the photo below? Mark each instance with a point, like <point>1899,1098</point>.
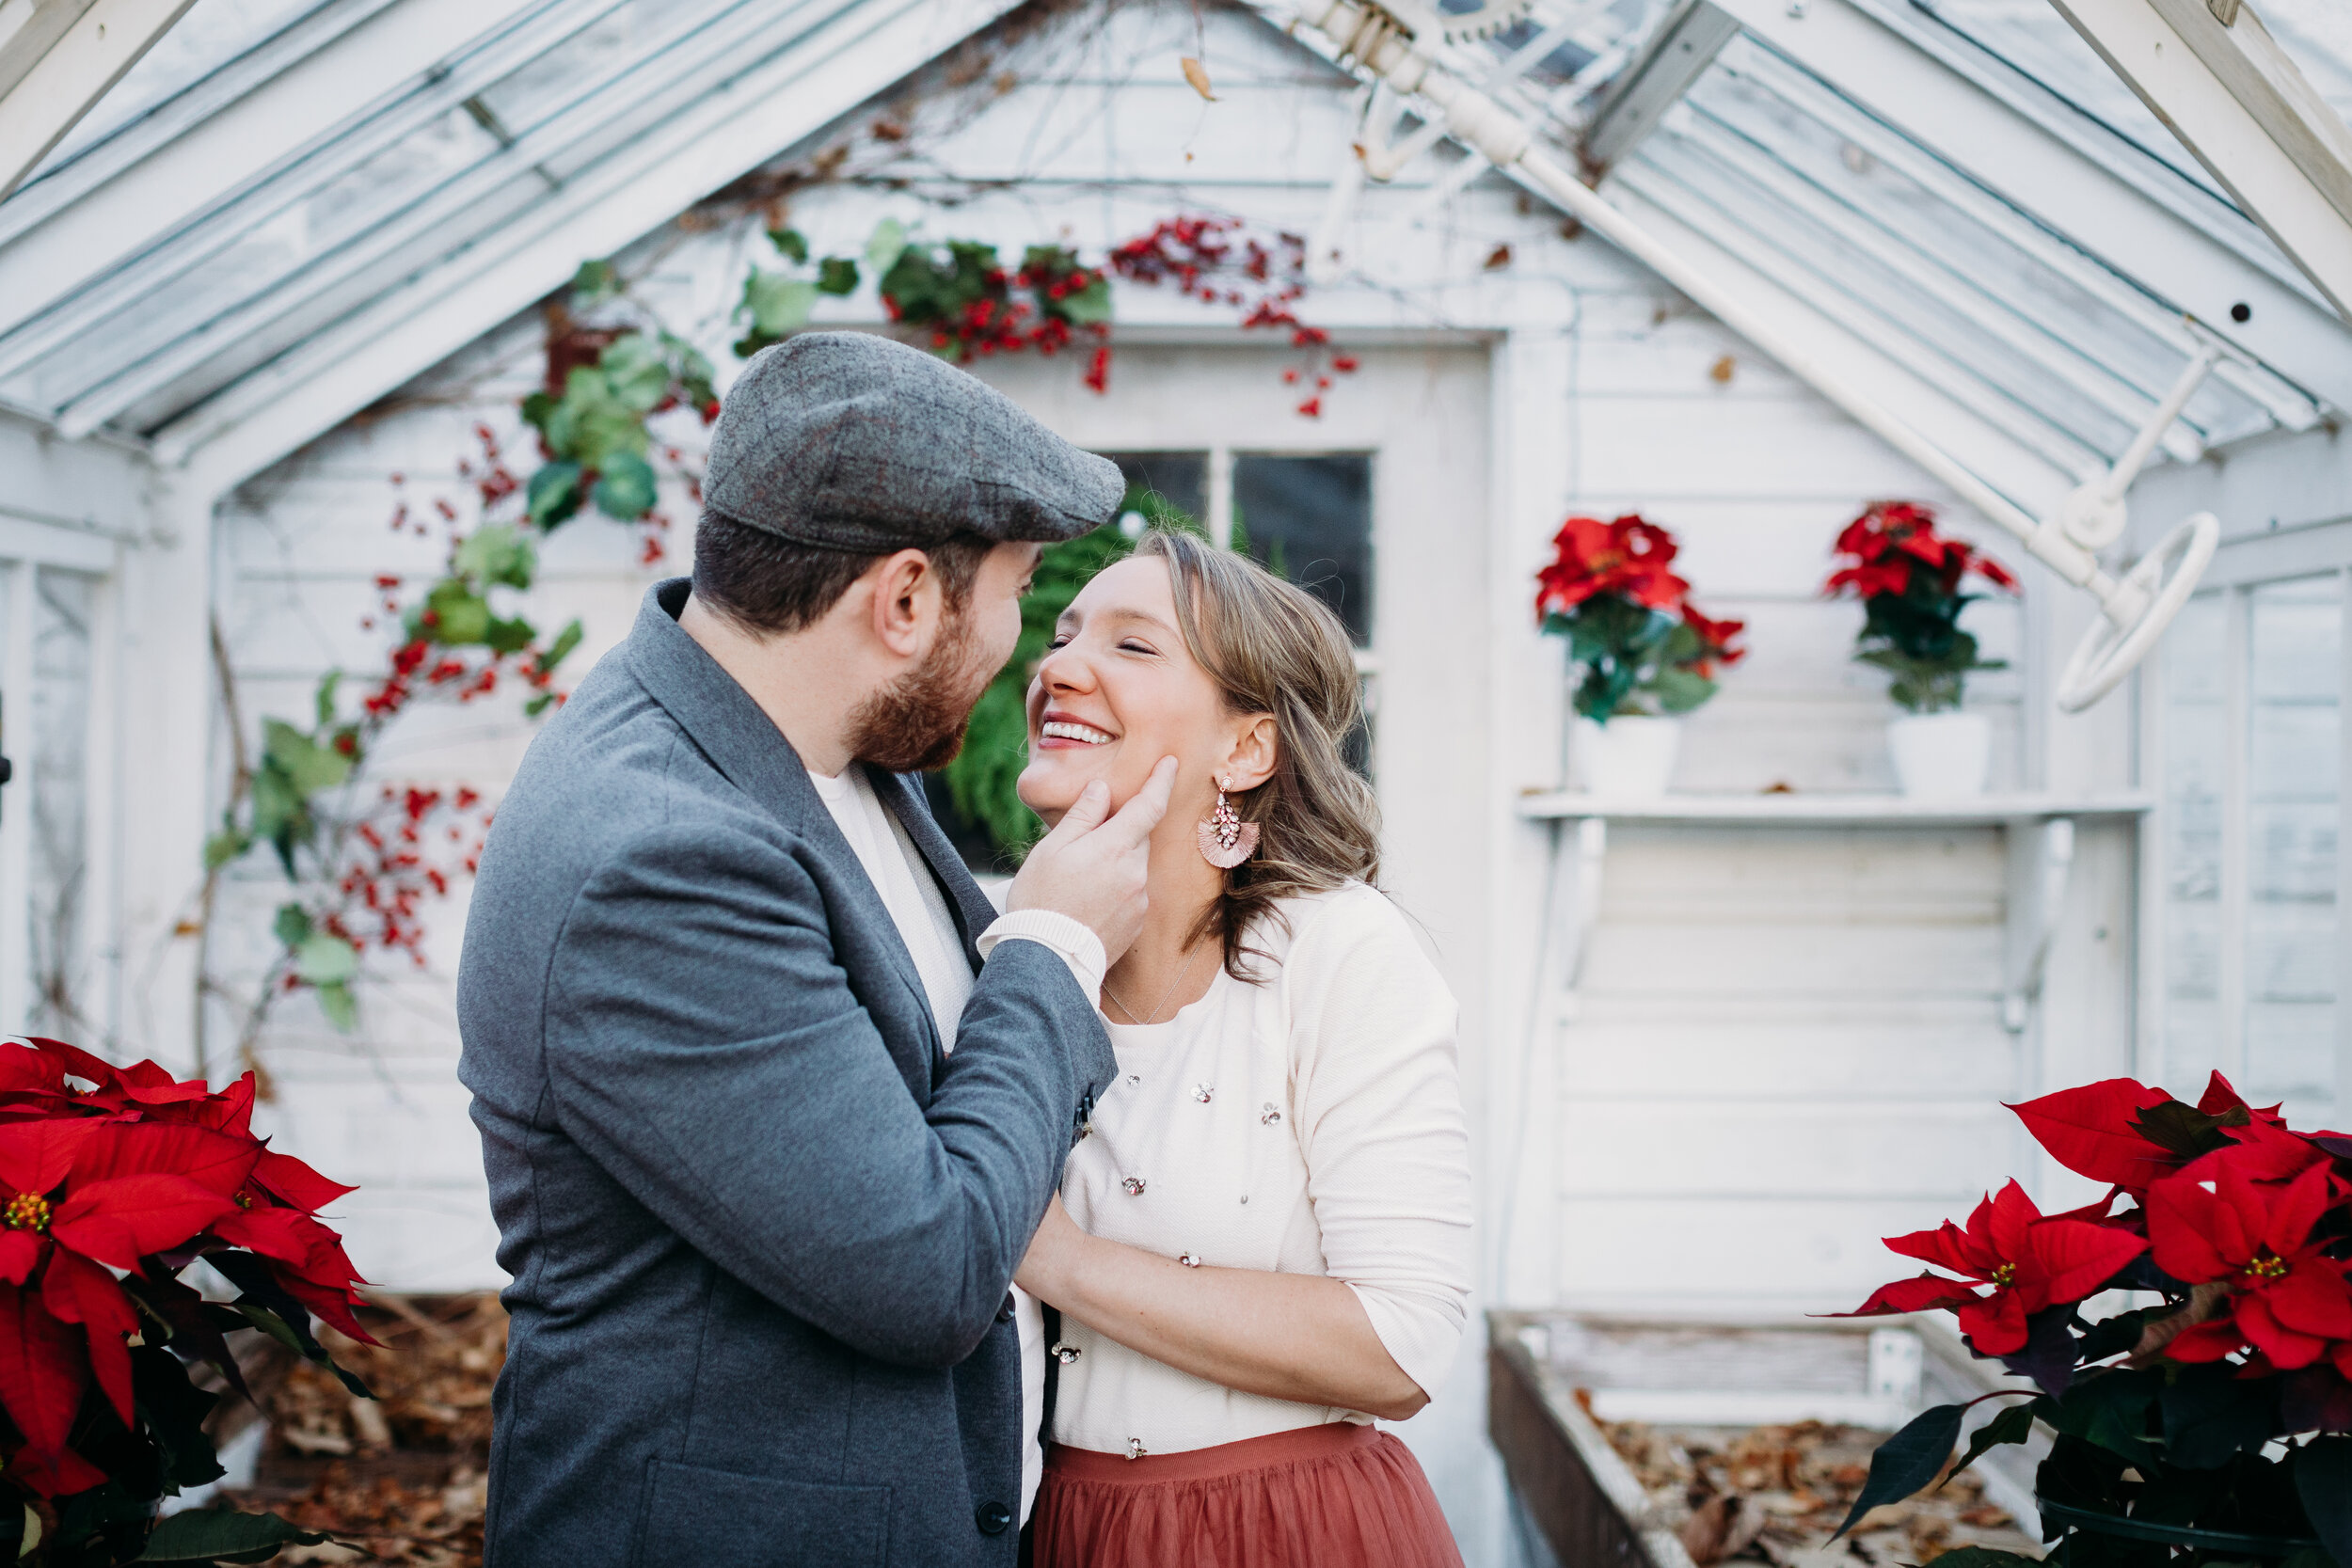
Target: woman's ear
<point>1249,761</point>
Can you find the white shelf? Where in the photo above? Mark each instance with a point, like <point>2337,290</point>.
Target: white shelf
<point>2040,856</point>
<point>1831,810</point>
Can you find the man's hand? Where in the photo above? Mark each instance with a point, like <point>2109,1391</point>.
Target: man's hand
<point>1094,871</point>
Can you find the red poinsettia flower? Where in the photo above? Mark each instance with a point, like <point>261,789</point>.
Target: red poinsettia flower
<point>2215,1223</point>
<point>2095,1132</point>
<point>1892,539</point>
<point>1627,556</point>
<point>2030,1261</point>
<point>82,1194</point>
<point>1717,636</point>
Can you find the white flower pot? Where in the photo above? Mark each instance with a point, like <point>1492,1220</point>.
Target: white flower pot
<point>1941,753</point>
<point>1629,757</point>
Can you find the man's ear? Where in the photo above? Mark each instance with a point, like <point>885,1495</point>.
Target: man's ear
<point>904,602</point>
<point>1251,759</point>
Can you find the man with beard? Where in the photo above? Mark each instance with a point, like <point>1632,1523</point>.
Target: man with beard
<point>770,1100</point>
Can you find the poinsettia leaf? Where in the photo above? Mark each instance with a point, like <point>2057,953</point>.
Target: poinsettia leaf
<point>2088,1131</point>
<point>2323,1480</point>
<point>1907,1460</point>
<point>268,1306</point>
<point>2012,1425</point>
<point>2183,1129</point>
<point>2050,1351</point>
<point>221,1535</point>
<point>174,1409</point>
<point>2109,1411</point>
<point>1986,1557</point>
<point>2210,1413</point>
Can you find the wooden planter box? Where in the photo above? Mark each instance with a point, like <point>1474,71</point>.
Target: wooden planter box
<point>1586,1501</point>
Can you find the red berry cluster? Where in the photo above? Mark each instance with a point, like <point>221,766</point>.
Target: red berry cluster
<point>1218,262</point>
<point>387,871</point>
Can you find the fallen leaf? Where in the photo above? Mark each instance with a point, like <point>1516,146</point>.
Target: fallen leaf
<point>1197,74</point>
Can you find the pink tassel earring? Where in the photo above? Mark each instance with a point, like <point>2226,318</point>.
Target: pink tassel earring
<point>1226,840</point>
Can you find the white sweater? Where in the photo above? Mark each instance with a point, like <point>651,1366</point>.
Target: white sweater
<point>1311,1124</point>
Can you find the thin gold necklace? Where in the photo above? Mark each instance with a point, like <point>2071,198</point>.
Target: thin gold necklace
<point>1181,977</point>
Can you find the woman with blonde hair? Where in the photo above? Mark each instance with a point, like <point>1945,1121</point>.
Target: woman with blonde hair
<point>1263,1237</point>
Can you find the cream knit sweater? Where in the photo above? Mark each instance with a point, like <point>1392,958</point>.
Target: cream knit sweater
<point>1311,1124</point>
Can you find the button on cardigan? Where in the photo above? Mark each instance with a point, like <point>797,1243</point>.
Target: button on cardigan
<point>1311,1124</point>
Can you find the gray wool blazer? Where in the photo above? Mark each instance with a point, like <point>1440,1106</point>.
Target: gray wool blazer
<point>760,1229</point>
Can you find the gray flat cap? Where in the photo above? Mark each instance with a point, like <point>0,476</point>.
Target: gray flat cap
<point>854,442</point>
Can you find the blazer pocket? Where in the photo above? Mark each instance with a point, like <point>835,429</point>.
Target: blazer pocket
<point>714,1517</point>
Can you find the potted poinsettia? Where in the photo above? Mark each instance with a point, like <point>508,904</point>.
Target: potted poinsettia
<point>1912,582</point>
<point>116,1181</point>
<point>1644,655</point>
<point>2215,1421</point>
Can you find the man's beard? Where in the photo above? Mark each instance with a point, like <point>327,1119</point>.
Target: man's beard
<point>916,724</point>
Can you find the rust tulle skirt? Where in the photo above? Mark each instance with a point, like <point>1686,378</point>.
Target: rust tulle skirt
<point>1342,1495</point>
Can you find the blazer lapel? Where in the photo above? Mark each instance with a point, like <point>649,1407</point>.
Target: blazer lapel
<point>969,904</point>
<point>743,743</point>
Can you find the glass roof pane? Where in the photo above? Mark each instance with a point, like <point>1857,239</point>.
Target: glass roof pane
<point>1885,234</point>
<point>212,34</point>
<point>2317,35</point>
<point>2032,37</point>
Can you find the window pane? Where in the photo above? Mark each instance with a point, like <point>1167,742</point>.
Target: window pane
<point>2196,742</point>
<point>2292,786</point>
<point>1310,519</point>
<point>59,783</point>
<point>1179,478</point>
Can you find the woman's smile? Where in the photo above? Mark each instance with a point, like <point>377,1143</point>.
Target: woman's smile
<point>1058,730</point>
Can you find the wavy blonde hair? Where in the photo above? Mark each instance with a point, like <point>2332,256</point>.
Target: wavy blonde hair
<point>1274,648</point>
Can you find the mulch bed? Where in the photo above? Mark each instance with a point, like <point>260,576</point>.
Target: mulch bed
<point>399,1478</point>
<point>1775,1493</point>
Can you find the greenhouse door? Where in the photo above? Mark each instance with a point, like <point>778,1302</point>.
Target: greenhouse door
<point>55,904</point>
<point>2247,742</point>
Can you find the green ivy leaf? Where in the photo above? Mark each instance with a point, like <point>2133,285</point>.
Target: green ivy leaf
<point>509,637</point>
<point>281,818</point>
<point>776,304</point>
<point>626,490</point>
<point>323,958</point>
<point>1907,1460</point>
<point>214,1535</point>
<point>224,847</point>
<point>292,925</point>
<point>836,275</point>
<point>460,615</point>
<point>553,495</point>
<point>498,554</point>
<point>565,641</point>
<point>637,372</point>
<point>340,1007</point>
<point>324,702</point>
<point>538,704</point>
<point>595,421</point>
<point>594,280</point>
<point>308,765</point>
<point>884,243</point>
<point>789,243</point>
<point>1089,306</point>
